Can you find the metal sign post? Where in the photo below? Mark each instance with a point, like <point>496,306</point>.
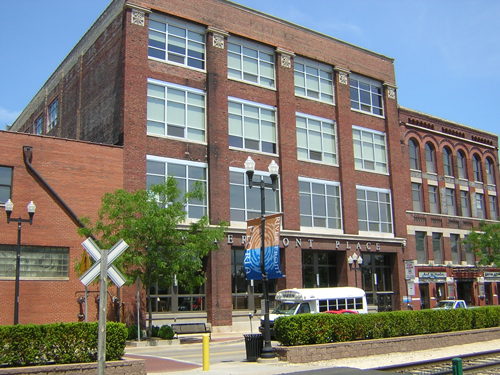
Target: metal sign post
<point>103,267</point>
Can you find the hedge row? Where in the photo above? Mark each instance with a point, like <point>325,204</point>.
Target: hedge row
<point>58,343</point>
<point>309,329</point>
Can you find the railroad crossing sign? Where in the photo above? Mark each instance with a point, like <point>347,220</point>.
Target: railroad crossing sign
<point>94,271</point>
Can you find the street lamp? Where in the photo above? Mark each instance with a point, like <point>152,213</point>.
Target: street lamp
<point>267,350</point>
<point>355,263</point>
<point>9,206</point>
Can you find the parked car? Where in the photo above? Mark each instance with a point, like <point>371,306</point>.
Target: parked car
<point>341,312</point>
<point>450,304</point>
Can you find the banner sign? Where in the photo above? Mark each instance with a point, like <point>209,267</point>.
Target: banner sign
<point>251,261</point>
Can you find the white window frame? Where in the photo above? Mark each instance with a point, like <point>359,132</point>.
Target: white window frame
<point>447,162</point>
<point>492,199</point>
<point>242,54</point>
<point>430,158</point>
<point>490,171</point>
<point>356,89</point>
<point>416,194</point>
<point>6,180</point>
<point>364,205</point>
<point>53,111</point>
<point>465,203</point>
<point>451,204</point>
<point>414,154</point>
<point>250,196</point>
<point>476,168</point>
<point>312,196</point>
<point>192,130</point>
<point>188,181</point>
<point>241,123</point>
<point>480,209</point>
<point>316,127</point>
<point>362,157</point>
<point>462,165</point>
<point>434,207</point>
<point>437,247</point>
<point>194,36</point>
<point>313,80</point>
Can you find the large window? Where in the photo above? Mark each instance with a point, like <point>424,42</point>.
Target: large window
<point>250,62</point>
<point>450,201</point>
<point>320,204</point>
<point>374,209</point>
<point>447,162</point>
<point>490,171</point>
<point>476,168</point>
<point>437,248</point>
<point>313,80</point>
<point>245,203</point>
<point>319,269</point>
<point>5,184</point>
<point>434,205</point>
<point>53,114</point>
<point>186,174</point>
<point>369,150</point>
<point>421,242</point>
<point>413,150</point>
<point>416,193</point>
<point>461,165</point>
<point>456,256</point>
<point>493,207</point>
<point>252,126</point>
<point>38,126</point>
<point>177,42</point>
<point>430,158</point>
<point>176,111</point>
<point>316,139</point>
<point>464,201</point>
<point>366,95</point>
<point>480,206</point>
<point>36,262</point>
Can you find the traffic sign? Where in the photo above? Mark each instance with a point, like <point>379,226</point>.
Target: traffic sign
<point>94,271</point>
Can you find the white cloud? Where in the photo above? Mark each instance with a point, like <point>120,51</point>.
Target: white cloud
<point>7,117</point>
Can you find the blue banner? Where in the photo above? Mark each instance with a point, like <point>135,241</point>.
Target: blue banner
<point>251,261</point>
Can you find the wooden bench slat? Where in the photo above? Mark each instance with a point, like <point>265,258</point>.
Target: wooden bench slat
<point>191,328</point>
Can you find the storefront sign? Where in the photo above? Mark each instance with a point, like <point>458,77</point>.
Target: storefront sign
<point>411,288</point>
<point>492,276</point>
<point>432,277</point>
<point>409,270</point>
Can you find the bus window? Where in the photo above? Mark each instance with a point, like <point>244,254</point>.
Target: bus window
<point>323,306</point>
<point>341,304</point>
<point>359,303</point>
<point>332,304</point>
<point>350,303</point>
<point>304,308</point>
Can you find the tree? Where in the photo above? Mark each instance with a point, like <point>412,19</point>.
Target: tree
<point>161,245</point>
<point>485,242</point>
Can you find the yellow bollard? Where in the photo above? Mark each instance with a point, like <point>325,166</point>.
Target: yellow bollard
<point>206,352</point>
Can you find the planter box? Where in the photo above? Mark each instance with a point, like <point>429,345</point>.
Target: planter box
<point>126,366</point>
<point>362,348</point>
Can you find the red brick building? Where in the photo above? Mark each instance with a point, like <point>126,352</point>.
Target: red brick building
<point>192,88</point>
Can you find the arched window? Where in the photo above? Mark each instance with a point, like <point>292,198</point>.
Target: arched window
<point>476,167</point>
<point>490,171</point>
<point>461,165</point>
<point>447,162</point>
<point>414,154</point>
<point>430,157</point>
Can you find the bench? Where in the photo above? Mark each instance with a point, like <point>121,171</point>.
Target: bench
<point>191,328</point>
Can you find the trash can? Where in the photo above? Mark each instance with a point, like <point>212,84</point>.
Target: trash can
<point>253,344</point>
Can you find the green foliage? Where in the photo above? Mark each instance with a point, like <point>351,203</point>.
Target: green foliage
<point>58,343</point>
<point>161,244</point>
<point>485,242</point>
<point>307,329</point>
<point>166,332</point>
<point>132,332</point>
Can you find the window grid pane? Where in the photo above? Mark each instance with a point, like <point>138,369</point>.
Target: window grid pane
<point>374,210</point>
<point>53,111</point>
<point>36,262</point>
<point>5,184</point>
<point>177,44</point>
<point>366,95</point>
<point>320,204</point>
<point>369,151</point>
<point>313,82</point>
<point>316,139</point>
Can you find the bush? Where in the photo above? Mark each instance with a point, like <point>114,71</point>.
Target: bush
<point>309,329</point>
<point>132,332</point>
<point>166,332</point>
<point>58,343</point>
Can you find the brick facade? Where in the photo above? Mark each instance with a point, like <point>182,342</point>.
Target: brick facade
<point>102,91</point>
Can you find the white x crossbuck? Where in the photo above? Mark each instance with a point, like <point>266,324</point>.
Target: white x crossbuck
<point>94,271</point>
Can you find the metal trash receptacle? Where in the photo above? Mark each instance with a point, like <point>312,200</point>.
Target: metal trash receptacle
<point>253,344</point>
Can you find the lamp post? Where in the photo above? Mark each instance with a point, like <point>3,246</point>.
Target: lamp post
<point>355,263</point>
<point>9,206</point>
<point>267,350</point>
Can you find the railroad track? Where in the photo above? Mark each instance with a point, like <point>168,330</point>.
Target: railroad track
<point>483,363</point>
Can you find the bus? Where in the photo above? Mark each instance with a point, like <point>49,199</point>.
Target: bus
<point>317,300</point>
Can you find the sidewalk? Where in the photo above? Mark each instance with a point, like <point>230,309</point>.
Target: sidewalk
<point>354,366</point>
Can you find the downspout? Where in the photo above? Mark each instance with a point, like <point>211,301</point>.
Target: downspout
<point>28,155</point>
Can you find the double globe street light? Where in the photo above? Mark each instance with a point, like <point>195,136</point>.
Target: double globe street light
<point>355,263</point>
<point>267,350</point>
<point>9,207</point>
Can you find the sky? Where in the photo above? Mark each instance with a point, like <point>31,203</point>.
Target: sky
<point>447,52</point>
